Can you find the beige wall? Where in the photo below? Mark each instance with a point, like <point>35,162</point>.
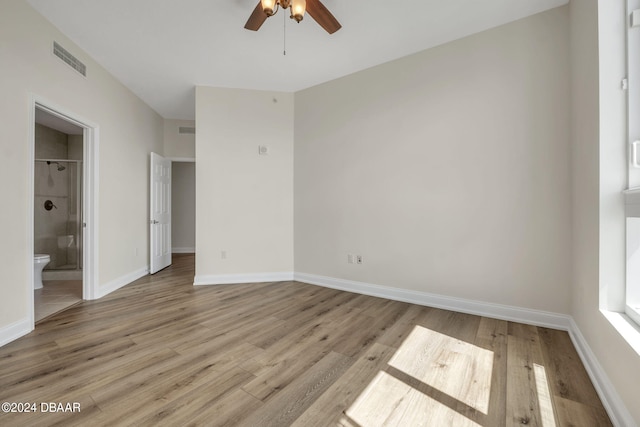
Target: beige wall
<point>177,144</point>
<point>468,170</point>
<point>244,201</point>
<point>183,206</point>
<point>448,170</point>
<point>129,129</point>
<point>599,163</point>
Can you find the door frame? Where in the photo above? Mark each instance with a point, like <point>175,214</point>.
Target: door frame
<point>180,160</point>
<point>90,157</point>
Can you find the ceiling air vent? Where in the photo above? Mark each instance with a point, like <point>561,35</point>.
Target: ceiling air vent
<point>67,57</point>
<point>187,129</point>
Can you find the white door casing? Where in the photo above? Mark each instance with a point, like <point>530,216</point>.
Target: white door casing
<point>90,172</point>
<point>160,213</point>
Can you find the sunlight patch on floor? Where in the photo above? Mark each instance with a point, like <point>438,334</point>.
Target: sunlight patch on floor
<point>544,396</point>
<point>387,401</point>
<point>452,366</point>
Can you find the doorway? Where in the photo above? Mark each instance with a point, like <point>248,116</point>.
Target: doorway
<point>63,240</point>
<point>183,206</point>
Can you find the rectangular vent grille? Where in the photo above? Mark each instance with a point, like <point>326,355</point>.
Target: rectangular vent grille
<point>186,129</point>
<point>71,60</point>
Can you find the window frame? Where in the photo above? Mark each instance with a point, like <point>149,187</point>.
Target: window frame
<point>632,196</point>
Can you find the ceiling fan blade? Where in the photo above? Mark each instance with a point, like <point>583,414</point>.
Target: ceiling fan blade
<point>322,16</point>
<point>256,19</point>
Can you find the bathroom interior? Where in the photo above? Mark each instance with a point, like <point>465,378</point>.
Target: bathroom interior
<point>57,214</point>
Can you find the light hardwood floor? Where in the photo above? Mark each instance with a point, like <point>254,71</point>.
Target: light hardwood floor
<point>162,352</point>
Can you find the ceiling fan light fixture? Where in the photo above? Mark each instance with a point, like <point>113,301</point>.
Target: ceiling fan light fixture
<point>317,11</point>
<point>298,7</point>
<point>268,6</point>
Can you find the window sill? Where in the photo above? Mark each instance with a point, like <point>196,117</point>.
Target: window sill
<point>633,313</point>
<point>626,327</point>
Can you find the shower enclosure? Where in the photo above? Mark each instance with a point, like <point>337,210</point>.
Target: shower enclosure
<point>58,213</point>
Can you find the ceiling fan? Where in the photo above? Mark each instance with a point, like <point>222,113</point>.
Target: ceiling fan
<point>267,8</point>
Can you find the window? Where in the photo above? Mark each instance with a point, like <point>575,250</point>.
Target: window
<point>632,308</point>
<point>632,196</point>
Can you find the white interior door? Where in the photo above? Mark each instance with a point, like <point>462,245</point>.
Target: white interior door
<point>160,215</point>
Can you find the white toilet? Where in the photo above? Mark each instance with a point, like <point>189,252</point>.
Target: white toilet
<point>39,262</point>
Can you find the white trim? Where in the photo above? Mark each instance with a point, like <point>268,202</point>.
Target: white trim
<point>631,191</point>
<point>31,171</point>
<point>611,400</point>
<point>121,281</point>
<point>633,90</point>
<point>223,279</point>
<point>633,313</point>
<point>626,327</point>
<point>497,311</point>
<point>90,196</point>
<point>15,330</point>
<point>183,250</point>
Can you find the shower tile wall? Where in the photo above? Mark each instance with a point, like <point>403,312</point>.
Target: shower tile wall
<point>57,186</point>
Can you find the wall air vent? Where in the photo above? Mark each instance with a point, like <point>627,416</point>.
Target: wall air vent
<point>71,60</point>
<point>187,129</point>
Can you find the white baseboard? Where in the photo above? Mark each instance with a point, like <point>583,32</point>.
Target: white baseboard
<point>486,309</point>
<point>121,281</point>
<point>223,279</point>
<point>616,409</point>
<point>14,331</point>
<point>183,250</point>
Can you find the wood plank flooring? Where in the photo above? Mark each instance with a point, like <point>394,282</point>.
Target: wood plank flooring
<point>163,352</point>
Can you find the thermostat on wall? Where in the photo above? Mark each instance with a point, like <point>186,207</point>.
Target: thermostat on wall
<point>263,150</point>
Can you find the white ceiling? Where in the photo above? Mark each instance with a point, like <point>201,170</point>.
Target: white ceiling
<point>162,49</point>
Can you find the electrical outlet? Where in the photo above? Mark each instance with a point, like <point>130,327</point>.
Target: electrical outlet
<point>223,254</point>
<point>350,258</point>
<point>358,259</point>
